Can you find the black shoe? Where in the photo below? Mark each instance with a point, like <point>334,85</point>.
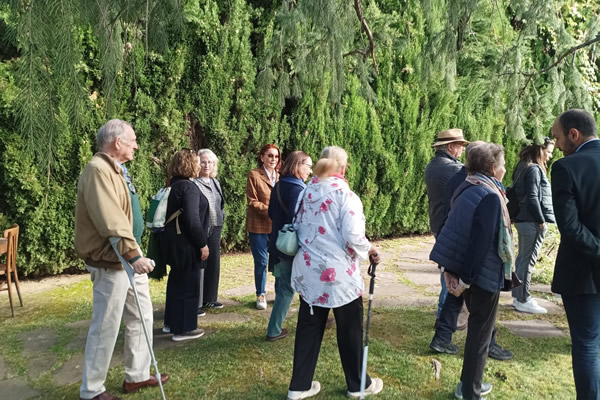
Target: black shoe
<point>439,346</point>
<point>201,312</point>
<point>498,353</point>
<point>213,304</point>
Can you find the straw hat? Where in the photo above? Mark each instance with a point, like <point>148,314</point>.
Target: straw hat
<point>450,136</point>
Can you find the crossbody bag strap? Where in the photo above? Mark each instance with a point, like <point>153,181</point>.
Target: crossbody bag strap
<point>299,205</point>
<point>175,216</point>
<point>285,209</point>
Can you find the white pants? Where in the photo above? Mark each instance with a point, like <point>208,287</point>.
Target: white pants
<point>113,299</point>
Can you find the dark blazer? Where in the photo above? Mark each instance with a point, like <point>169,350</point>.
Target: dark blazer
<point>437,174</point>
<point>290,188</point>
<point>576,199</point>
<point>185,248</point>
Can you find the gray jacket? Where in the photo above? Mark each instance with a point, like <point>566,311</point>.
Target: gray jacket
<point>533,193</point>
<point>437,174</point>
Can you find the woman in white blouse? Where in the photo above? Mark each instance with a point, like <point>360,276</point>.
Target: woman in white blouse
<point>326,274</point>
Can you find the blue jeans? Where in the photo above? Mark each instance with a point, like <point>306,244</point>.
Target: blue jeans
<point>442,298</point>
<point>284,294</point>
<point>258,245</point>
<point>531,238</point>
<point>583,314</point>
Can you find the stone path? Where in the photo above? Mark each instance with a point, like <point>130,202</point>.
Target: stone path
<point>405,278</point>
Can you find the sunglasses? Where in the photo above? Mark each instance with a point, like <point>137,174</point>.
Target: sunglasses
<point>272,155</point>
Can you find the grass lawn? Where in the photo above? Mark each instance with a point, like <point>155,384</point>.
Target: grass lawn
<point>233,361</point>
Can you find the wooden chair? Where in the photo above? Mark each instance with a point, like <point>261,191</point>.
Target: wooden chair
<point>10,268</point>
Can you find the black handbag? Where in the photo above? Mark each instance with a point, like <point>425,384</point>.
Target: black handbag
<point>510,284</point>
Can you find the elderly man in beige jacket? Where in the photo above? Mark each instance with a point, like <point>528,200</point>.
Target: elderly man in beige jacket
<point>108,205</point>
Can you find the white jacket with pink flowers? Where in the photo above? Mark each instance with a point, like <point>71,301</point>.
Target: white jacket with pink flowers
<point>331,231</point>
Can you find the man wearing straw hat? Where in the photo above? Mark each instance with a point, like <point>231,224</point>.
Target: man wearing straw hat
<point>108,206</point>
<point>444,165</point>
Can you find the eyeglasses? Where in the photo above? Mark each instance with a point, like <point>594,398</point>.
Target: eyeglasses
<point>308,165</point>
<point>272,155</point>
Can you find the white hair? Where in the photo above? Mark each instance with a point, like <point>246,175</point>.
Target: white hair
<point>212,157</point>
<point>110,131</point>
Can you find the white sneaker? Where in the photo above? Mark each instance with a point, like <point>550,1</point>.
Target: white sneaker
<point>530,306</point>
<point>375,387</point>
<point>166,329</point>
<point>261,304</point>
<point>188,335</point>
<point>304,394</point>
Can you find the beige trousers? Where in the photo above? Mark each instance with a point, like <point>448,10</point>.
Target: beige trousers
<point>114,299</point>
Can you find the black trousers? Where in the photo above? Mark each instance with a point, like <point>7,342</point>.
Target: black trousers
<point>446,325</point>
<point>181,307</point>
<point>482,307</point>
<point>309,335</point>
<point>209,285</point>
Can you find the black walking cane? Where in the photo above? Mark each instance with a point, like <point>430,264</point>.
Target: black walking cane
<point>363,375</point>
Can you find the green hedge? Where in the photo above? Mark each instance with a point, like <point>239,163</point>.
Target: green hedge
<point>201,92</point>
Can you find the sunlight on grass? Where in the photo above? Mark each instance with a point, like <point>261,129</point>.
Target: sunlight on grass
<point>233,361</point>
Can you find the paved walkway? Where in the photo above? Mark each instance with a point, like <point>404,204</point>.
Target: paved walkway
<point>405,278</point>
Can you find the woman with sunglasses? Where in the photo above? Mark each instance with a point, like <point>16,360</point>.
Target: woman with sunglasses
<point>534,195</point>
<point>259,184</point>
<point>282,209</point>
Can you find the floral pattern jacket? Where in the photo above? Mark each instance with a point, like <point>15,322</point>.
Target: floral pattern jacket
<point>331,230</point>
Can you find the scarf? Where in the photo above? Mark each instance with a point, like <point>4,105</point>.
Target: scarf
<point>506,250</point>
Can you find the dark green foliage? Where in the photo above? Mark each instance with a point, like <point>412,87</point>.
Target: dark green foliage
<point>234,75</point>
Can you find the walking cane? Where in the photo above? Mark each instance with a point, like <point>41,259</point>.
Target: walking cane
<point>130,272</point>
<point>363,375</point>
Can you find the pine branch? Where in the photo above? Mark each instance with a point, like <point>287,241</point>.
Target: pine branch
<point>572,50</point>
<point>365,27</point>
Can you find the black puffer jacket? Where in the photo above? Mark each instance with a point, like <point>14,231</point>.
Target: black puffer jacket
<point>533,193</point>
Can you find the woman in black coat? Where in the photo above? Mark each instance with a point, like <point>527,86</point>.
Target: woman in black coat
<point>185,246</point>
<point>534,195</point>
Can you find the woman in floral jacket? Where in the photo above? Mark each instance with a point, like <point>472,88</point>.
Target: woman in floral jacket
<point>326,274</point>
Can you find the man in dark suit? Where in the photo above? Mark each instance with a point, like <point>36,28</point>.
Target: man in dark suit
<point>576,198</point>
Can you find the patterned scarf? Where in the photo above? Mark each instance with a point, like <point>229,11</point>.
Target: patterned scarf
<point>506,249</point>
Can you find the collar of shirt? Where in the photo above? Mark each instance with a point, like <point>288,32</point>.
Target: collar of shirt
<point>124,169</point>
<point>272,178</point>
<point>128,179</point>
<point>584,143</point>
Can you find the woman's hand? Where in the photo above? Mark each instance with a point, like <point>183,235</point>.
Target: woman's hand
<point>453,284</point>
<point>542,225</point>
<point>204,253</point>
<point>373,255</point>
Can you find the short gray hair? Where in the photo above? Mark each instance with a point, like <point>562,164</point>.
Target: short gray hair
<point>483,158</point>
<point>212,157</point>
<point>110,131</point>
<point>441,147</point>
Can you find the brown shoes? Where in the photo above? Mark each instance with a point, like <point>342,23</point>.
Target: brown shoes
<point>103,396</point>
<point>284,333</point>
<point>130,387</point>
